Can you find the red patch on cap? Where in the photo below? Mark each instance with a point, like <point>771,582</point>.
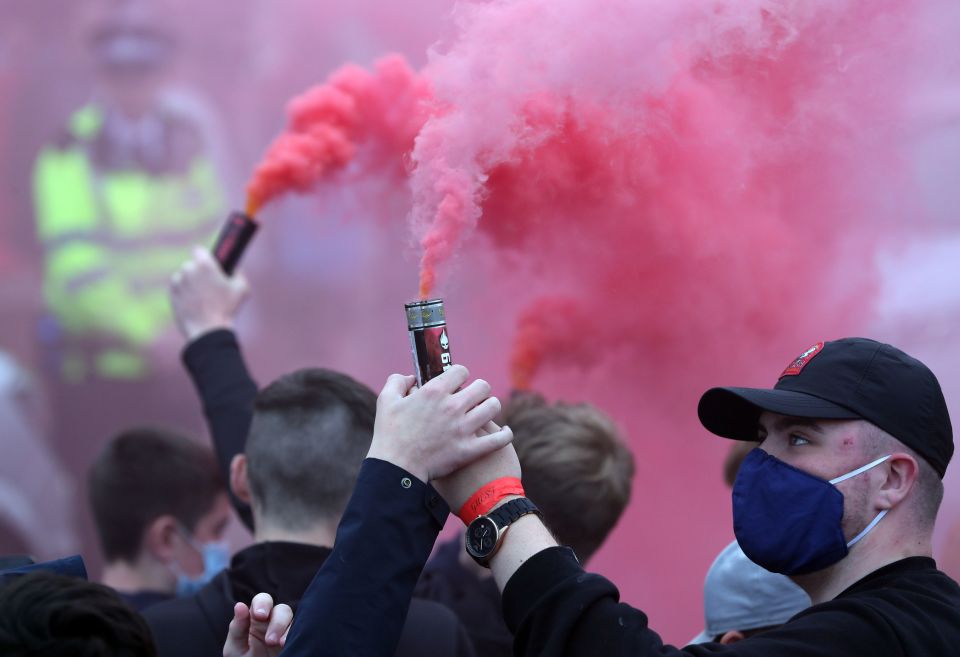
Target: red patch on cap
<point>795,367</point>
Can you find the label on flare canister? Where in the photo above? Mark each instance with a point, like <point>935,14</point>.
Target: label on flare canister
<point>429,341</point>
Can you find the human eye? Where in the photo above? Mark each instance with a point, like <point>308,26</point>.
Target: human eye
<point>797,440</point>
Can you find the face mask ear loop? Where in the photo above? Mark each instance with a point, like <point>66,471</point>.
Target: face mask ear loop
<point>872,464</point>
<point>867,528</point>
<point>880,515</point>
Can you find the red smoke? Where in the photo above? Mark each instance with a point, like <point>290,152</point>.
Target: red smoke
<point>701,185</point>
<point>695,168</point>
<point>327,123</point>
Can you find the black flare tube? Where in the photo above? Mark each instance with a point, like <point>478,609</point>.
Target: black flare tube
<point>233,240</point>
<point>427,327</point>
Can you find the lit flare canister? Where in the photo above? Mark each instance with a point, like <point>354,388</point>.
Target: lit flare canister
<point>233,240</point>
<point>427,326</point>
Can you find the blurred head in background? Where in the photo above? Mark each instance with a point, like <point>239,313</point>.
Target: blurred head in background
<point>160,509</point>
<point>132,44</point>
<point>576,467</point>
<point>741,599</point>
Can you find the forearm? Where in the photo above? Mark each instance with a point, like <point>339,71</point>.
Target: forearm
<point>227,393</point>
<point>357,603</point>
<point>525,538</point>
<point>555,609</point>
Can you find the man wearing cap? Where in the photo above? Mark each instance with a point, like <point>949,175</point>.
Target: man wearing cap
<point>841,496</point>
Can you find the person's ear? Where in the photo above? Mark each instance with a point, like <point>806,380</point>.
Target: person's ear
<point>161,537</point>
<point>901,471</point>
<point>239,482</point>
<point>732,637</point>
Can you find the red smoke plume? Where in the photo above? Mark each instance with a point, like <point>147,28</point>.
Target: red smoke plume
<point>701,171</point>
<point>326,124</point>
<point>695,153</point>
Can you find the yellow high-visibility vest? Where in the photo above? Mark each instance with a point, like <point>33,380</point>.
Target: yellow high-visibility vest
<point>111,241</point>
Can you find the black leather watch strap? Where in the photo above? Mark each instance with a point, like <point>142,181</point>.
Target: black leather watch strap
<point>512,511</point>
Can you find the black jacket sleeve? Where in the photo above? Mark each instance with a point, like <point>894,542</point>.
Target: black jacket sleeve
<point>357,603</point>
<point>227,392</point>
<point>556,609</point>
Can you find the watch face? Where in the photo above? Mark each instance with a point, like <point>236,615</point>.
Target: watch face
<point>481,537</point>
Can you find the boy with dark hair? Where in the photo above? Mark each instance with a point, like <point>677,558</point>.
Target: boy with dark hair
<point>160,509</point>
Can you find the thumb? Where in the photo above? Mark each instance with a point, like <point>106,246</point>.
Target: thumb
<point>202,255</point>
<point>485,444</point>
<point>397,387</point>
<point>240,284</point>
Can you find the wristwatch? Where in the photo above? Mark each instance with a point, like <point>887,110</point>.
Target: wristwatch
<point>485,533</point>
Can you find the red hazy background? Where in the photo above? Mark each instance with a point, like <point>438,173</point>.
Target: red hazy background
<point>620,202</point>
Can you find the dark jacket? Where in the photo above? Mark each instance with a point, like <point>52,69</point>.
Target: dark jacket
<point>905,609</point>
<point>356,604</point>
<point>475,600</point>
<point>196,626</point>
<point>227,392</point>
<point>144,599</point>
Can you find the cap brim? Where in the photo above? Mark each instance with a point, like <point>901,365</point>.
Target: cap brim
<point>734,412</point>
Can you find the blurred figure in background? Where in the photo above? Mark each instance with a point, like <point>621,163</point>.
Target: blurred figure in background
<point>35,513</point>
<point>161,509</point>
<point>580,472</point>
<point>120,195</point>
<point>741,599</point>
<point>950,556</point>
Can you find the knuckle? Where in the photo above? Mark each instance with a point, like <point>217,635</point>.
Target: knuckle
<point>448,409</point>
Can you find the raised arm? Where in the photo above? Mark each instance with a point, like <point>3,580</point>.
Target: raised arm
<point>357,603</point>
<point>205,303</point>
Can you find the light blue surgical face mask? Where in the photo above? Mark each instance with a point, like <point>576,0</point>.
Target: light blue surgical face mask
<point>216,557</point>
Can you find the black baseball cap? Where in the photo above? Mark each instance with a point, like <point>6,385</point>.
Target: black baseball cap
<point>851,378</point>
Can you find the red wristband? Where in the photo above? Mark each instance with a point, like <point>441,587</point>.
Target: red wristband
<point>487,497</point>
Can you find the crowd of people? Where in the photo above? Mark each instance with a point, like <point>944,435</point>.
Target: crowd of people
<point>837,479</point>
<point>836,472</point>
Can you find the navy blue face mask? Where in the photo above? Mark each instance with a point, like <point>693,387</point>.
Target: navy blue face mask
<point>787,520</point>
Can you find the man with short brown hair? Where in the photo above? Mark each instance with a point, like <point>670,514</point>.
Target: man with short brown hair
<point>575,465</point>
<point>580,471</point>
